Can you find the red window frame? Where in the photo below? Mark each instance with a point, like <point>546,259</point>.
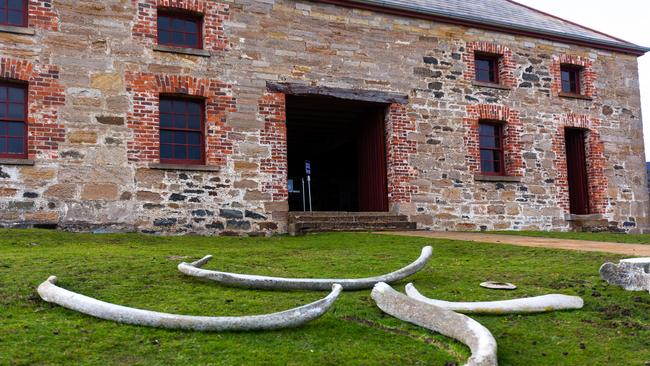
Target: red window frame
<point>498,147</point>
<point>25,11</point>
<point>493,67</point>
<point>570,78</point>
<point>173,14</point>
<point>4,128</point>
<point>173,130</point>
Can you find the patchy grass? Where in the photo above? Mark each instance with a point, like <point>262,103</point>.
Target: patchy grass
<point>140,271</point>
<point>608,237</point>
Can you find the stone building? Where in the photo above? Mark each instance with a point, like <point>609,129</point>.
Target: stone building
<point>198,116</point>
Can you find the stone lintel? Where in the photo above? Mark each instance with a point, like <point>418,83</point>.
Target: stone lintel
<point>182,50</point>
<point>189,167</point>
<point>365,95</point>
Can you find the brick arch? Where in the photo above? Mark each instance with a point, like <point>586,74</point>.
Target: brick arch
<point>144,118</point>
<point>513,130</point>
<point>45,95</point>
<point>215,13</point>
<point>507,64</point>
<point>596,161</point>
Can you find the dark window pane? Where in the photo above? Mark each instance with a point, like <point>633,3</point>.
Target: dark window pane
<point>165,120</point>
<point>194,153</point>
<point>180,121</point>
<point>15,17</point>
<point>164,37</point>
<point>179,138</point>
<point>165,106</point>
<point>164,22</point>
<point>191,40</point>
<point>179,106</point>
<point>166,151</point>
<point>487,141</point>
<point>3,94</point>
<point>166,137</point>
<point>487,130</point>
<point>15,129</point>
<point>180,152</point>
<point>177,24</point>
<point>178,38</point>
<point>3,111</point>
<point>487,155</point>
<point>194,122</point>
<point>16,146</point>
<point>487,166</point>
<point>16,4</point>
<point>3,146</point>
<point>194,108</point>
<point>190,26</point>
<point>193,138</point>
<point>3,17</point>
<point>16,110</point>
<point>16,95</point>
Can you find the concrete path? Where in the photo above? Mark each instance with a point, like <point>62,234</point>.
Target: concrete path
<point>632,250</point>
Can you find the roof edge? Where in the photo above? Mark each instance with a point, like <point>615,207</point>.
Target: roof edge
<point>417,12</point>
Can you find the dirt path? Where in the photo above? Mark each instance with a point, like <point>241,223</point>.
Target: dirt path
<point>633,250</point>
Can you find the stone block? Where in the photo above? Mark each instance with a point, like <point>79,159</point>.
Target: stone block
<point>99,191</point>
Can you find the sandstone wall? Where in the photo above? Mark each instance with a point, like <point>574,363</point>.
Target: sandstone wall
<point>104,69</point>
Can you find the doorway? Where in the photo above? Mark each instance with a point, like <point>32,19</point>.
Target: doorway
<point>342,144</point>
<point>577,171</point>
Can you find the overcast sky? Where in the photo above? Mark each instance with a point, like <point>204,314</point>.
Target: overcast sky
<point>625,19</point>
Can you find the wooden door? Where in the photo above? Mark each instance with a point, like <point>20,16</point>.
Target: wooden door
<point>373,189</point>
<point>577,171</point>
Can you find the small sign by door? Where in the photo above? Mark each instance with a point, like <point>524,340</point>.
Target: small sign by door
<point>307,167</point>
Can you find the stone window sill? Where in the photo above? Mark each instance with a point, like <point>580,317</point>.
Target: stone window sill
<point>188,167</point>
<point>4,161</point>
<point>181,50</point>
<point>483,84</point>
<point>574,96</point>
<point>17,30</point>
<point>496,178</point>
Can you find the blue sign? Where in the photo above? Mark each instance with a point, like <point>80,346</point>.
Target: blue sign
<point>307,167</point>
<point>290,184</point>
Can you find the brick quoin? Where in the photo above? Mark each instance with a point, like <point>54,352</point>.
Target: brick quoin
<point>144,119</point>
<point>41,15</point>
<point>506,63</point>
<point>214,14</point>
<point>587,74</point>
<point>597,181</point>
<point>272,109</point>
<point>512,144</point>
<point>399,147</point>
<point>45,96</point>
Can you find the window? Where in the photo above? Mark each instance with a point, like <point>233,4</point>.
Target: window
<point>181,131</point>
<point>491,146</point>
<point>13,121</point>
<point>570,79</point>
<point>487,68</point>
<point>13,12</point>
<point>180,29</point>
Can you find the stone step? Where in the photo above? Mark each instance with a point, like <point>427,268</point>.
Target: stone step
<point>343,219</point>
<point>297,228</point>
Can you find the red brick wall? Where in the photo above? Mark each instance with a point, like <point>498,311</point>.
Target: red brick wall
<point>513,130</point>
<point>400,147</point>
<point>506,63</point>
<point>45,97</point>
<point>144,119</point>
<point>587,74</point>
<point>41,15</point>
<point>596,162</point>
<point>214,14</point>
<point>272,108</point>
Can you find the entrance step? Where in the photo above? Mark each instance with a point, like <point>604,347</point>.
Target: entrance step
<point>312,222</point>
<point>588,223</point>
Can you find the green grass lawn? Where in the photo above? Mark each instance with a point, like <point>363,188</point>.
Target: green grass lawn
<point>608,237</point>
<point>140,271</point>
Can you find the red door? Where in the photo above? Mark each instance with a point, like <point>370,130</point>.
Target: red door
<point>373,190</point>
<point>577,171</point>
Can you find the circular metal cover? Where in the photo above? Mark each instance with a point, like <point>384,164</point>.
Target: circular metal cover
<point>494,285</point>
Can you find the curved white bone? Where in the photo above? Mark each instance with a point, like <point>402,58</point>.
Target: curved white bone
<point>632,274</point>
<point>538,304</point>
<point>460,327</point>
<point>122,314</point>
<point>279,283</point>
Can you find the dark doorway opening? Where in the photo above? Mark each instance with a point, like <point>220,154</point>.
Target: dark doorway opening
<point>577,171</point>
<point>344,141</point>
